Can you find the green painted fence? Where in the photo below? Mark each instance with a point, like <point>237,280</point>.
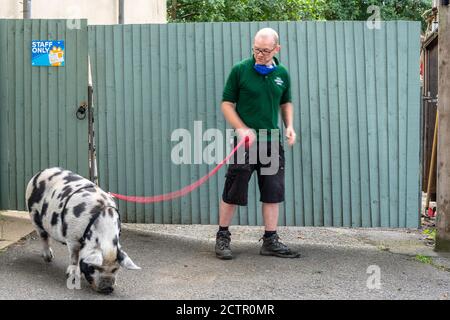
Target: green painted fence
<point>38,126</point>
<point>357,113</point>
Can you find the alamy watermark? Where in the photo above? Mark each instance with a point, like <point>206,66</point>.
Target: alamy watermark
<point>73,13</point>
<point>73,281</point>
<point>190,148</point>
<point>374,21</point>
<point>374,280</point>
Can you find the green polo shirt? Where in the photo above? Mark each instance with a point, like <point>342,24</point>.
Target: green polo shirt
<point>257,97</point>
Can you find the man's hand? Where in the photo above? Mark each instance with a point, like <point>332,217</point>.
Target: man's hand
<point>228,109</point>
<point>291,136</point>
<point>246,133</point>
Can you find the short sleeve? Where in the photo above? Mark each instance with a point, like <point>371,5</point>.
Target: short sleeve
<point>231,90</point>
<point>287,97</point>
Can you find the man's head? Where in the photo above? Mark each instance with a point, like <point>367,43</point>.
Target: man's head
<point>265,45</point>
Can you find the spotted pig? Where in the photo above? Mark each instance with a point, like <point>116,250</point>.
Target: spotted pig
<point>76,212</point>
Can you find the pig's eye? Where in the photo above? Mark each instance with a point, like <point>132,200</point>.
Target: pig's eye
<point>114,270</point>
<point>99,269</point>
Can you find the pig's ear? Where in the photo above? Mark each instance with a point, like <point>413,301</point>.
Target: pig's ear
<point>95,259</point>
<point>126,262</point>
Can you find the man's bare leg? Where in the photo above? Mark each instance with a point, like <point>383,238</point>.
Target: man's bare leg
<point>226,213</point>
<point>270,215</point>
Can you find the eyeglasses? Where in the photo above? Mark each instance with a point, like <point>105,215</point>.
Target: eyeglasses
<point>263,51</point>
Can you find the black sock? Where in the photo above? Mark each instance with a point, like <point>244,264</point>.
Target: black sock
<point>223,228</point>
<point>268,234</point>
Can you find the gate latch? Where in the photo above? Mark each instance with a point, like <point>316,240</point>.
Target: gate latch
<point>81,112</point>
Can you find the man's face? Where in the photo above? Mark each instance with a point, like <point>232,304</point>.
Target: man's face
<point>264,48</point>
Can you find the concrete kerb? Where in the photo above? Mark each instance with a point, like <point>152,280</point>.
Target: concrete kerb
<point>15,225</point>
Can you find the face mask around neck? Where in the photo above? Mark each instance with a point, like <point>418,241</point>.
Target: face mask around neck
<point>263,69</point>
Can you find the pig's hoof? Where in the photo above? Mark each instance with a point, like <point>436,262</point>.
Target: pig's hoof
<point>48,255</point>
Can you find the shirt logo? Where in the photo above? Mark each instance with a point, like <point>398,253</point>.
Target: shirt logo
<point>278,81</point>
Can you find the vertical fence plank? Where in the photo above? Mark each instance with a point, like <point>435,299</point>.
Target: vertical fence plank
<point>343,125</point>
<point>4,120</point>
<point>333,103</point>
<point>80,86</point>
<point>19,104</point>
<point>12,72</point>
<point>363,126</point>
<point>28,103</point>
<point>372,123</point>
<point>146,110</point>
<point>392,124</point>
<point>191,91</point>
<point>326,218</point>
<point>413,195</point>
<point>402,52</point>
<point>382,120</point>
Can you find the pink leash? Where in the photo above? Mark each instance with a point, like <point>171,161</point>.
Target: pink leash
<point>181,192</point>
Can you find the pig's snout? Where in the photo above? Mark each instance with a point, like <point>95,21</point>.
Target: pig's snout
<point>106,285</point>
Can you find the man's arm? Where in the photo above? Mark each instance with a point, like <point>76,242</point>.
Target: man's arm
<point>228,110</point>
<point>230,114</point>
<point>287,113</point>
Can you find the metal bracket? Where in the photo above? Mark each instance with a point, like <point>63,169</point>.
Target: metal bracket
<point>81,112</point>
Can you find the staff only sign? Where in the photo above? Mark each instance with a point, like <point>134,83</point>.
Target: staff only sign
<point>47,53</point>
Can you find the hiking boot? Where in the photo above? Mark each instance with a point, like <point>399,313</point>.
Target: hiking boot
<point>273,247</point>
<point>223,250</point>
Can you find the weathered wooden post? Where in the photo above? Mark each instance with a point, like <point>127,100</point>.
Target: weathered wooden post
<point>443,156</point>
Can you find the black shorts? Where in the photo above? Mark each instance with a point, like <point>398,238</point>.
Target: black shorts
<point>270,182</point>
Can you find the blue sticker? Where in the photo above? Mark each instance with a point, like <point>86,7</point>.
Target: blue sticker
<point>47,53</point>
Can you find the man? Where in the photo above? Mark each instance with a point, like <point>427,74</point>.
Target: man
<point>256,89</point>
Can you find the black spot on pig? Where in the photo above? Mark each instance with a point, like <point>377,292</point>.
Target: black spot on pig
<point>71,177</point>
<point>89,188</point>
<point>63,222</point>
<point>44,235</point>
<point>88,235</point>
<point>79,209</point>
<point>97,209</point>
<point>54,221</point>
<point>44,209</point>
<point>67,190</point>
<point>82,243</point>
<point>36,194</point>
<point>64,228</point>
<point>120,256</point>
<point>87,270</point>
<point>38,220</point>
<point>54,175</point>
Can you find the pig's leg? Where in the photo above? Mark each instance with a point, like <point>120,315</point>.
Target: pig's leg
<point>74,251</point>
<point>47,252</point>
